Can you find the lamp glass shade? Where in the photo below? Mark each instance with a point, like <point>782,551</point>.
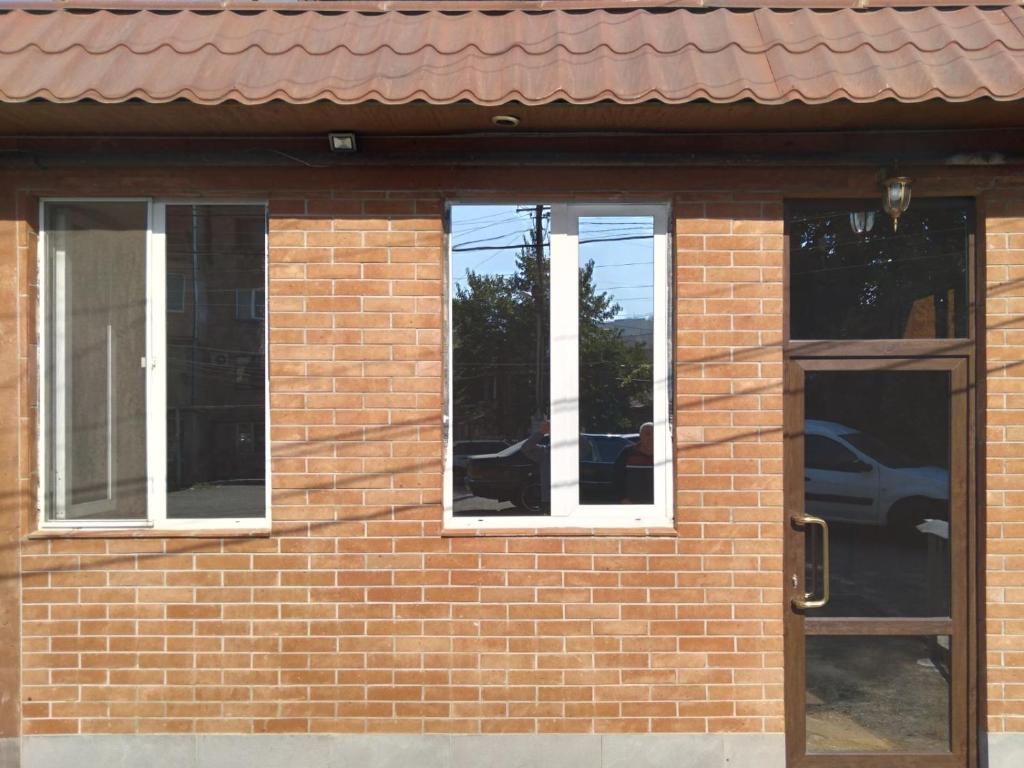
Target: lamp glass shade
<point>896,198</point>
<point>897,195</point>
<point>862,222</point>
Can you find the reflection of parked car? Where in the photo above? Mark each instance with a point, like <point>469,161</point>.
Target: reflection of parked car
<point>509,475</point>
<point>598,483</point>
<point>464,449</point>
<point>853,477</point>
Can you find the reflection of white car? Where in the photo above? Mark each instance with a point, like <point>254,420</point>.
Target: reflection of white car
<point>853,477</point>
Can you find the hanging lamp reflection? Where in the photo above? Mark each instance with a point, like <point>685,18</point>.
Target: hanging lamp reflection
<point>862,222</point>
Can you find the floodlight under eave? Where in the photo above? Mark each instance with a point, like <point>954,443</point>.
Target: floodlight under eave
<point>342,142</point>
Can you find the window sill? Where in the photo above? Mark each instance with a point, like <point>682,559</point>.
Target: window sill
<point>511,532</point>
<point>151,533</point>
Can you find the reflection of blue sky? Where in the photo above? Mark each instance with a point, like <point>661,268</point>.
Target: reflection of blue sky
<point>487,238</point>
<point>622,249</point>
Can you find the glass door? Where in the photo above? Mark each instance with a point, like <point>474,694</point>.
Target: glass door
<point>877,555</point>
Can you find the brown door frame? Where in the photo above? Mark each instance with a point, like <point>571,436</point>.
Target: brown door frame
<point>962,358</point>
<point>798,627</point>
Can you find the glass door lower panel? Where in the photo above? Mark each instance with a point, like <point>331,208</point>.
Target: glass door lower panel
<point>876,457</point>
<point>878,694</point>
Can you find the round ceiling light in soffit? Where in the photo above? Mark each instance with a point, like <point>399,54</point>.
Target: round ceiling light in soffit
<point>505,121</point>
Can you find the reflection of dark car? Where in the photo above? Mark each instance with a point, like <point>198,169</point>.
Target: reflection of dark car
<point>464,449</point>
<point>509,475</point>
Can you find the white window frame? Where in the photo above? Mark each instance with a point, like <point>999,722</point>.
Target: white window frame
<point>566,511</point>
<point>156,376</point>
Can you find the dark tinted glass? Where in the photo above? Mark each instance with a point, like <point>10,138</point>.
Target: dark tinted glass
<point>878,694</point>
<point>216,362</point>
<point>854,275</point>
<point>823,453</point>
<point>500,261</point>
<point>888,507</point>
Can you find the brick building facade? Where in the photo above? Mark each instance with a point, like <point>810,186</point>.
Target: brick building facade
<point>357,625</point>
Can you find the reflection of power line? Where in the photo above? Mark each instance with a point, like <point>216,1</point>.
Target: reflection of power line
<point>596,266</point>
<point>462,246</point>
<point>501,211</point>
<point>889,262</point>
<point>527,366</point>
<point>583,241</point>
<point>586,241</point>
<point>460,249</point>
<point>622,264</point>
<point>826,216</point>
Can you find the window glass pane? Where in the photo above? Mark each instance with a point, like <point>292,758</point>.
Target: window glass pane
<point>216,361</point>
<point>823,453</point>
<point>854,275</point>
<point>616,332</point>
<point>885,493</point>
<point>878,694</point>
<point>95,387</point>
<point>500,265</point>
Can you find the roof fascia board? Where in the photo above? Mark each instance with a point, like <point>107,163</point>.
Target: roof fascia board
<point>463,6</point>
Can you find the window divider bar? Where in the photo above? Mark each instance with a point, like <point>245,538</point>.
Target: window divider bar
<point>156,355</point>
<point>564,356</point>
<point>663,463</point>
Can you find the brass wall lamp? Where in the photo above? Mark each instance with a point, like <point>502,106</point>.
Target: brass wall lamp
<point>896,197</point>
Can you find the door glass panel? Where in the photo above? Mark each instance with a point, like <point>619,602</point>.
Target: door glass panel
<point>500,262</point>
<point>616,331</point>
<point>95,393</point>
<point>877,470</point>
<point>854,275</point>
<point>216,362</point>
<point>878,694</point>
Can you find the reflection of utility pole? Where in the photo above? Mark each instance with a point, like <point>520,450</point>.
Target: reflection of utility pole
<point>538,304</point>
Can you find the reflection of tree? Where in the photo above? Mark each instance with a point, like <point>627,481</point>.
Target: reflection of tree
<point>494,323</point>
<point>615,372</point>
<point>880,283</point>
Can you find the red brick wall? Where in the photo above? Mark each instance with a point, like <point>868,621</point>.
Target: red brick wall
<point>359,615</point>
<point>1004,350</point>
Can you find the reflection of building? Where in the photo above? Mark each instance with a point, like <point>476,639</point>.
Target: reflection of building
<point>215,319</point>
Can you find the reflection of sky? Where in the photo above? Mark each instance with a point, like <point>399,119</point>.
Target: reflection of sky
<point>487,238</point>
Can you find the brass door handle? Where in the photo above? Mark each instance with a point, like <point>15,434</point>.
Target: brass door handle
<point>808,600</point>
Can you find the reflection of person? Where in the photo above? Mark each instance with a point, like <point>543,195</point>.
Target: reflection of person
<point>637,455</point>
<point>540,453</point>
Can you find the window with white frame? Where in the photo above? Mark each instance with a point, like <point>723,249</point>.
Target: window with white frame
<point>152,395</point>
<point>558,366</point>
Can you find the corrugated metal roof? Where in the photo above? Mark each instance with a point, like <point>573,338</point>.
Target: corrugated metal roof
<point>671,56</point>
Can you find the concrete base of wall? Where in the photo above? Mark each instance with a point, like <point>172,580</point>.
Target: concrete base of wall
<point>9,753</point>
<point>1005,750</point>
<point>999,750</point>
<point>405,751</point>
